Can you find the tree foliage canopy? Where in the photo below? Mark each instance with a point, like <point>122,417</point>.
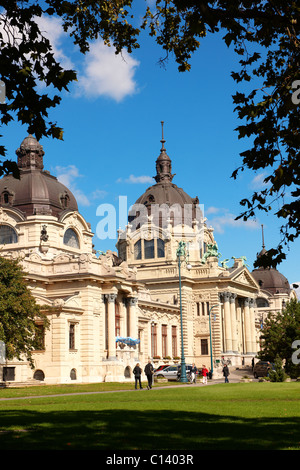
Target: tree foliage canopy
<point>18,313</point>
<point>279,333</point>
<point>264,34</point>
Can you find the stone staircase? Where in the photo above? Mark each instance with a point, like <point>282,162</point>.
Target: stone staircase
<point>28,383</point>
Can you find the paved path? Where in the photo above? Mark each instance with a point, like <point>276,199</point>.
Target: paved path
<point>234,377</point>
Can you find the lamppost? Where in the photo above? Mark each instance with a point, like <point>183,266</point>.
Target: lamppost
<point>181,253</point>
<point>211,352</point>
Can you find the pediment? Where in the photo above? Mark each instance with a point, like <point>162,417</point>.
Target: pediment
<point>244,277</point>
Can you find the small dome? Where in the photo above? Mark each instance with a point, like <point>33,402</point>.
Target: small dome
<point>37,191</point>
<point>271,280</point>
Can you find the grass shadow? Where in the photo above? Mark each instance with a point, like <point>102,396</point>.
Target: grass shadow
<point>143,430</point>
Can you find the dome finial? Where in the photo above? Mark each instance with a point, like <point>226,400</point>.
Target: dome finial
<point>262,234</point>
<point>162,134</point>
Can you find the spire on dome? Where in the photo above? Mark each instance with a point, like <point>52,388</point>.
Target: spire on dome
<point>163,163</point>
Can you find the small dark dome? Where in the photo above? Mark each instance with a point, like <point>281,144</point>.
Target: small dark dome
<point>271,280</point>
<point>37,191</point>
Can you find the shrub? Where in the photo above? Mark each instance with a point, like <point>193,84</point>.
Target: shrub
<point>278,374</point>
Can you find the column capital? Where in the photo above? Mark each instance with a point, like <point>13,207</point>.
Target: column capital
<point>232,298</point>
<point>225,296</point>
<point>248,302</point>
<point>110,297</point>
<point>132,301</point>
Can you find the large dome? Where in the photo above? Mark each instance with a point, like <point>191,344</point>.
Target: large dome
<point>37,191</point>
<point>166,194</point>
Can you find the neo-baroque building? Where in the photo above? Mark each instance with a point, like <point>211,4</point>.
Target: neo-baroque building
<point>110,311</point>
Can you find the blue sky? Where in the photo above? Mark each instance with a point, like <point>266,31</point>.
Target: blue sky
<point>112,131</point>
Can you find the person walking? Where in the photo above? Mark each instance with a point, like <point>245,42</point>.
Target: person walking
<point>204,375</point>
<point>194,371</point>
<point>137,375</point>
<point>149,371</point>
<point>226,373</point>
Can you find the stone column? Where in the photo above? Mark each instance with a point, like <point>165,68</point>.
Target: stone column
<point>227,322</point>
<point>123,315</point>
<point>252,326</point>
<point>233,323</point>
<point>111,325</point>
<point>247,325</point>
<point>133,325</point>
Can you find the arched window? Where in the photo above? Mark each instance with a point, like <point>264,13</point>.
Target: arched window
<point>160,248</point>
<point>39,375</point>
<point>138,250</point>
<point>7,235</point>
<point>71,238</point>
<point>261,302</point>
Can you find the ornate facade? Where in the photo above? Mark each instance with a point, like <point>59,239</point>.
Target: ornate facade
<point>110,311</point>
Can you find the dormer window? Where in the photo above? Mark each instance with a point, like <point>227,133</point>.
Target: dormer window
<point>65,200</point>
<point>6,197</point>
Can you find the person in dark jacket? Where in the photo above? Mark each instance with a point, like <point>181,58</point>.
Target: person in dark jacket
<point>226,373</point>
<point>149,371</point>
<point>137,375</point>
<point>194,371</point>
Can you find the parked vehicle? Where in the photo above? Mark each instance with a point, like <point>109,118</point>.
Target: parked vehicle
<point>161,367</point>
<point>262,369</point>
<point>169,372</point>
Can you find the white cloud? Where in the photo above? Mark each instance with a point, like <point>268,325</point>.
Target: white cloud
<point>98,194</point>
<point>106,74</point>
<point>227,219</point>
<point>258,182</point>
<point>212,210</point>
<point>137,179</point>
<point>51,28</point>
<point>100,71</point>
<point>67,176</point>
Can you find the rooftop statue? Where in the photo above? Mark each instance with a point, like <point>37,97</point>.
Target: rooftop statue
<point>211,251</point>
<point>243,258</point>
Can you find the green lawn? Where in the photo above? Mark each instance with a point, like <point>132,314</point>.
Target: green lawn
<point>254,416</point>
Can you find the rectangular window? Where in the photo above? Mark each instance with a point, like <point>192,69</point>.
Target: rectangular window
<point>164,337</point>
<point>153,340</point>
<point>138,250</point>
<point>8,374</point>
<point>40,337</point>
<point>72,336</point>
<point>204,347</point>
<point>174,341</point>
<point>205,308</point>
<point>198,309</point>
<point>149,249</point>
<point>160,248</point>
